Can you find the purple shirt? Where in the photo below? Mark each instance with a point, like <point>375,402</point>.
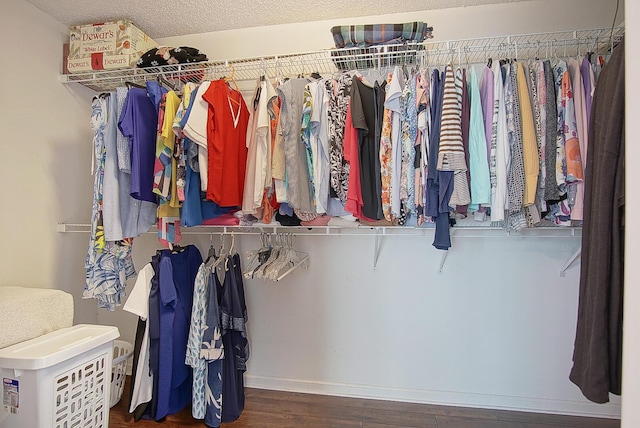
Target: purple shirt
<point>139,121</point>
<point>585,71</point>
<point>486,100</point>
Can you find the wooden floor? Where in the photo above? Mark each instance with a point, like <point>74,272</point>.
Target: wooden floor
<point>276,409</point>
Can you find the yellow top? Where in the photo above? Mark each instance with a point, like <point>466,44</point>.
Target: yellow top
<point>529,144</point>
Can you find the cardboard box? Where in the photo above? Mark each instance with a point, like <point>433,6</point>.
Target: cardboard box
<point>106,46</point>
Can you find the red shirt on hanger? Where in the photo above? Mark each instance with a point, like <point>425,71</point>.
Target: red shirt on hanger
<point>227,123</point>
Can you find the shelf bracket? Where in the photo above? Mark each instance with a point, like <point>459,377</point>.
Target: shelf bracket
<point>376,248</point>
<point>569,262</point>
<point>445,253</point>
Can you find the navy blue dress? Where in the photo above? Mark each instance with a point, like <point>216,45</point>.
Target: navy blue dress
<point>233,311</point>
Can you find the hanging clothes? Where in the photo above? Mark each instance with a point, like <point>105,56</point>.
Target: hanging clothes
<point>319,142</point>
<point>409,135</point>
<point>108,264</point>
<point>165,172</point>
<point>195,127</point>
<point>597,355</point>
<point>363,116</point>
<point>176,278</point>
<point>299,196</point>
<point>205,351</point>
<point>478,166</point>
<point>137,303</point>
<point>539,99</point>
<point>386,147</point>
<point>228,119</point>
<point>354,201</point>
<point>516,175</point>
<point>487,99</point>
<point>551,188</point>
<point>439,183</point>
<point>588,80</point>
<point>124,216</point>
<point>305,139</point>
<point>530,160</point>
<point>582,132</point>
<point>465,119</point>
<point>149,410</point>
<point>195,209</point>
<point>423,96</point>
<point>258,141</point>
<point>451,156</point>
<point>393,102</point>
<point>138,122</point>
<point>500,150</point>
<point>378,109</point>
<point>339,91</point>
<point>122,142</point>
<point>234,320</point>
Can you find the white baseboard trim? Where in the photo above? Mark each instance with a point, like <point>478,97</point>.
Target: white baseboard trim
<point>445,398</point>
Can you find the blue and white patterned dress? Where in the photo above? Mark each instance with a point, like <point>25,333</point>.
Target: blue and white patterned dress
<point>108,264</point>
<point>205,352</point>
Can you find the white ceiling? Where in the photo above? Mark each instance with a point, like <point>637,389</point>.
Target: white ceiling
<point>165,18</point>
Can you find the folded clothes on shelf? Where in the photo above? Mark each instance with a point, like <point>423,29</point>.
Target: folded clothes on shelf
<point>347,36</point>
<point>164,55</point>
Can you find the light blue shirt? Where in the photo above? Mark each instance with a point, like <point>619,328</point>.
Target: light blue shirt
<point>478,165</point>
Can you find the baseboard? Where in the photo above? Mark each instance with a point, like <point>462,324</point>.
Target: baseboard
<point>445,398</point>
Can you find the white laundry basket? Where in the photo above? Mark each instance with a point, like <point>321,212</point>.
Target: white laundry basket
<point>60,379</point>
<point>122,352</point>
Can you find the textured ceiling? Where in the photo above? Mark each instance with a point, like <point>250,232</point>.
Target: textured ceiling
<point>165,18</point>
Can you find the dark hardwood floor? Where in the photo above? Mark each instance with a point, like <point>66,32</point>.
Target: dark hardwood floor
<point>277,409</point>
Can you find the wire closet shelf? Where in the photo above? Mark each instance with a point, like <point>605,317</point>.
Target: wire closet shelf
<point>330,61</point>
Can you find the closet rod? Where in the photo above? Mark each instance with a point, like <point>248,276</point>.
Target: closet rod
<point>408,231</point>
<point>329,61</point>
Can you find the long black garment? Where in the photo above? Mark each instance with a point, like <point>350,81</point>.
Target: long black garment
<point>363,112</point>
<point>379,95</point>
<point>149,411</point>
<point>597,355</point>
<point>137,347</point>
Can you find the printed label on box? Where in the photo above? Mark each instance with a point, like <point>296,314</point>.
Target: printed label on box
<point>10,395</point>
<point>97,38</point>
<point>98,62</point>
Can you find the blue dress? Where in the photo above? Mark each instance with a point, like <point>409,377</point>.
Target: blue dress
<point>176,280</point>
<point>234,337</point>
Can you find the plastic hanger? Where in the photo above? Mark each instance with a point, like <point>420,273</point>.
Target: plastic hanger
<point>224,253</point>
<point>273,256</point>
<point>211,255</point>
<point>134,85</point>
<point>258,257</point>
<point>256,98</point>
<point>232,80</point>
<point>164,82</point>
<point>286,261</point>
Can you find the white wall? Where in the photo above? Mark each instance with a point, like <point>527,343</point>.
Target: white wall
<point>46,146</point>
<point>494,330</point>
<point>631,340</point>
